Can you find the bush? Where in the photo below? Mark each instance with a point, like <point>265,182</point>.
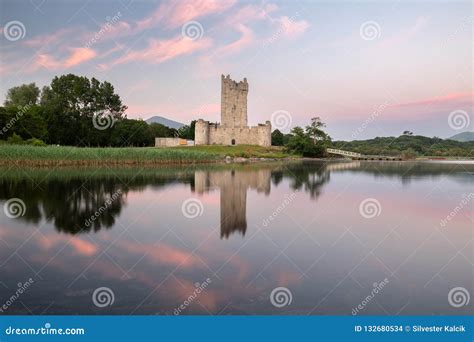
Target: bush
<point>35,142</point>
<point>15,139</point>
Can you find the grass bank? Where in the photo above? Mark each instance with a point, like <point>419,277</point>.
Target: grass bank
<point>67,156</point>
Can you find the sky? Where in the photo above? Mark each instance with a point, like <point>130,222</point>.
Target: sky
<point>366,68</point>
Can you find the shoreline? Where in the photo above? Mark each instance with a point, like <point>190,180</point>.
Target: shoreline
<point>49,163</point>
<point>67,156</point>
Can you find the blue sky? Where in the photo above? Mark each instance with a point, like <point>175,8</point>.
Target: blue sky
<point>366,68</point>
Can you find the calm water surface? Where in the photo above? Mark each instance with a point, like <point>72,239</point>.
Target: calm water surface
<point>330,233</point>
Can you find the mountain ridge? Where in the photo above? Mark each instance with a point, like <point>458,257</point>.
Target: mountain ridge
<point>463,136</point>
<point>164,121</point>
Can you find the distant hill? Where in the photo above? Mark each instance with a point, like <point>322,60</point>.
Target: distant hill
<point>416,144</point>
<point>464,136</point>
<point>164,121</point>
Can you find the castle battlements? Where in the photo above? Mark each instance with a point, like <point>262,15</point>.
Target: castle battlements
<point>233,128</point>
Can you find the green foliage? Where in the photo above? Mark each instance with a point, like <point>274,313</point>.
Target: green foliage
<point>15,139</point>
<point>244,151</point>
<point>35,142</point>
<point>409,154</point>
<point>311,142</point>
<point>315,130</point>
<point>26,121</point>
<point>67,111</point>
<point>187,131</point>
<point>129,132</point>
<point>158,130</point>
<point>411,145</point>
<point>26,94</point>
<point>72,103</point>
<point>277,138</point>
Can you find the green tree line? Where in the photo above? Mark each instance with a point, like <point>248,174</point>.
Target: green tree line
<point>409,145</point>
<point>77,111</point>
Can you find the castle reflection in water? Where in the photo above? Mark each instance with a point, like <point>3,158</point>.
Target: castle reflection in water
<point>233,185</point>
<point>86,193</point>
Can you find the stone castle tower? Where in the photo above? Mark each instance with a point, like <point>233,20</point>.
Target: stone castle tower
<point>233,129</point>
<point>234,102</point>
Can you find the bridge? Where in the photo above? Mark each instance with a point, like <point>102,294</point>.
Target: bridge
<point>360,156</point>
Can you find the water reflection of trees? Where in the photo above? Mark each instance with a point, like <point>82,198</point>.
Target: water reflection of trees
<point>71,204</point>
<point>69,201</point>
<point>309,177</point>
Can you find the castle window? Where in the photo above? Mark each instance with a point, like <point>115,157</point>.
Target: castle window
<point>233,141</point>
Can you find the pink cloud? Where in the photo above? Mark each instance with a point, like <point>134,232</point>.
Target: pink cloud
<point>174,14</point>
<point>77,56</point>
<point>462,96</point>
<point>291,27</point>
<point>47,40</point>
<point>78,245</point>
<point>159,51</point>
<point>246,39</point>
<point>250,13</point>
<point>162,253</point>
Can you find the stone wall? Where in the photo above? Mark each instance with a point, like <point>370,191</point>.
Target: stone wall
<point>257,135</point>
<point>233,129</point>
<point>170,142</point>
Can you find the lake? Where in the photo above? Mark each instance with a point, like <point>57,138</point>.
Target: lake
<point>317,238</point>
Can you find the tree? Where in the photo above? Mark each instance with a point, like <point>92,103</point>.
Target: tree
<point>310,142</point>
<point>315,130</point>
<point>26,94</point>
<point>187,132</point>
<point>277,138</point>
<point>407,133</point>
<point>409,154</point>
<point>28,121</point>
<point>73,104</point>
<point>129,132</point>
<point>302,143</point>
<point>158,130</point>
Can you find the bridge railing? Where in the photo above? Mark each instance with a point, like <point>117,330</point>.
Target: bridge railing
<point>343,153</point>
